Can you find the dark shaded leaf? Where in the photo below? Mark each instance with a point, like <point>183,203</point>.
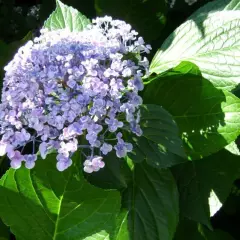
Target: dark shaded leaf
<point>114,175</point>
<point>160,144</point>
<point>152,202</point>
<point>197,179</point>
<point>208,118</point>
<point>190,230</point>
<point>4,231</point>
<point>159,126</point>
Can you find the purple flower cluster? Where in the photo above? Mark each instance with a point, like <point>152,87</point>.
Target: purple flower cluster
<point>73,90</point>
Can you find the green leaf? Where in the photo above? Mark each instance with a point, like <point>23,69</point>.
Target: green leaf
<point>190,230</point>
<point>152,201</point>
<point>155,155</point>
<point>193,195</point>
<point>208,118</point>
<point>4,231</point>
<point>66,17</point>
<point>139,13</point>
<point>160,144</point>
<point>215,235</point>
<point>233,148</point>
<point>211,41</point>
<point>121,231</point>
<point>47,204</point>
<point>196,180</point>
<point>159,126</point>
<point>233,5</point>
<point>113,176</point>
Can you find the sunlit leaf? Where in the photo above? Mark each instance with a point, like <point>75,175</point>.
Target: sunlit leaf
<point>210,41</point>
<point>233,148</point>
<point>214,203</point>
<point>44,203</point>
<point>65,17</point>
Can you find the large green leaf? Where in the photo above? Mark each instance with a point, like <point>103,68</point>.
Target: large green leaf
<point>4,231</point>
<point>208,118</point>
<point>159,126</point>
<point>121,232</point>
<point>66,17</point>
<point>140,14</point>
<point>114,175</point>
<point>193,196</point>
<point>190,230</point>
<point>46,204</point>
<point>196,180</point>
<point>152,201</point>
<point>212,42</point>
<point>233,5</point>
<point>155,155</point>
<point>160,144</point>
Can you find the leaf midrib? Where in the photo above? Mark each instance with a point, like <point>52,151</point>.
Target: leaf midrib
<point>57,220</point>
<point>59,209</point>
<point>121,225</point>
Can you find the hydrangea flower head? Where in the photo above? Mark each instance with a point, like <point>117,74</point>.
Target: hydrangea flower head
<point>66,86</point>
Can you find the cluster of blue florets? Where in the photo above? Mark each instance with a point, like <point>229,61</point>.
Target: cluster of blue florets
<point>66,91</point>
